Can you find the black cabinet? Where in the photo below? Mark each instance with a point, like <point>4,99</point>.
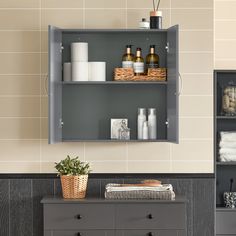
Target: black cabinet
<point>225,218</point>
<point>81,111</point>
<point>114,217</point>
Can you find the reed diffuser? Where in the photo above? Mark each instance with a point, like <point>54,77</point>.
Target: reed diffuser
<point>156,16</point>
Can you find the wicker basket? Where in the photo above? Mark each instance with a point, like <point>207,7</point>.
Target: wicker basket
<point>127,74</point>
<point>74,186</point>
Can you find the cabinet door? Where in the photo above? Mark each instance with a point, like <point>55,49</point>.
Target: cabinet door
<point>54,84</point>
<point>172,87</point>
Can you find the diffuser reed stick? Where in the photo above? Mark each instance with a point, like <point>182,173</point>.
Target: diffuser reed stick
<point>156,6</point>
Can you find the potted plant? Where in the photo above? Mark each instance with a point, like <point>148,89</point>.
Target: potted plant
<point>74,177</point>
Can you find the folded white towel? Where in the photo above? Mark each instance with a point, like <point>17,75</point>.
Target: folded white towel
<point>118,187</point>
<point>227,151</point>
<point>227,144</point>
<point>227,157</point>
<point>228,136</point>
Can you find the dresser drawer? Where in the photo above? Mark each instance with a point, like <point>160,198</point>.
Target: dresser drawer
<point>147,233</point>
<point>78,216</point>
<point>150,216</point>
<point>82,233</point>
<point>226,223</point>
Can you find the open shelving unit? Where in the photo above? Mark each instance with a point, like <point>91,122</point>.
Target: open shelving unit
<point>224,170</point>
<point>81,111</point>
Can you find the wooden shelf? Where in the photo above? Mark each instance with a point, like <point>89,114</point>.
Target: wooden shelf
<point>115,140</point>
<point>221,208</point>
<point>226,117</point>
<point>112,82</point>
<point>228,163</point>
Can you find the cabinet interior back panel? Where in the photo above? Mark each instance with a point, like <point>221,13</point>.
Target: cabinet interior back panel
<point>110,46</point>
<point>224,174</point>
<point>87,109</point>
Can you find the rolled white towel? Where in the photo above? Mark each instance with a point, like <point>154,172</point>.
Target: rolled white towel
<point>227,157</point>
<point>228,136</point>
<point>224,144</point>
<point>227,151</point>
<point>117,188</point>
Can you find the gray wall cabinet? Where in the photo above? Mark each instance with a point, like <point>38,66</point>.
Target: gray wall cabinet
<point>81,111</point>
<point>114,217</point>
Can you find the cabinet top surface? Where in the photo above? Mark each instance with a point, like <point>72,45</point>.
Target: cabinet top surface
<point>112,30</point>
<point>56,200</point>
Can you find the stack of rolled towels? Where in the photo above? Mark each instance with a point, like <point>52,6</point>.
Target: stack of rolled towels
<point>80,69</point>
<point>227,146</point>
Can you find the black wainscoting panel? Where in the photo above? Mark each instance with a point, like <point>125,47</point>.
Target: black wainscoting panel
<point>4,207</point>
<point>26,217</point>
<point>57,187</point>
<point>203,207</point>
<point>185,187</point>
<point>94,188</point>
<point>41,188</point>
<point>21,207</point>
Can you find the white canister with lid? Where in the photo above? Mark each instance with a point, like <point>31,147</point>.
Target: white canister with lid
<point>144,24</point>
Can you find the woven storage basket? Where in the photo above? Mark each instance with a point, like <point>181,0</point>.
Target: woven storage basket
<point>127,74</point>
<point>74,186</point>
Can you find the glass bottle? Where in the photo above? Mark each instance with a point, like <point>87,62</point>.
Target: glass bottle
<point>139,62</point>
<point>229,100</point>
<point>128,58</point>
<point>152,59</point>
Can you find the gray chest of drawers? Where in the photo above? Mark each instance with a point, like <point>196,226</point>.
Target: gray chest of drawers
<point>100,217</point>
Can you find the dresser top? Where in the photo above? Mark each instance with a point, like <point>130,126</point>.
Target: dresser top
<point>56,200</point>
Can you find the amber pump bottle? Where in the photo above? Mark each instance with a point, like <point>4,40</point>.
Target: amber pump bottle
<point>128,58</point>
<point>139,62</point>
<point>152,59</point>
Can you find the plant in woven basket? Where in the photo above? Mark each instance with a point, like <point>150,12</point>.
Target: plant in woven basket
<point>74,177</point>
<point>72,166</point>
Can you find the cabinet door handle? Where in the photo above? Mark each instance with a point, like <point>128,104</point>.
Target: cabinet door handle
<point>150,234</point>
<point>150,216</point>
<point>79,217</point>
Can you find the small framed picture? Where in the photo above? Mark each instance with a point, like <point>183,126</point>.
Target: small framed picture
<point>116,126</point>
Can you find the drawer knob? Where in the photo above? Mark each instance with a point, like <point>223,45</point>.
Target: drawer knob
<point>150,234</point>
<point>79,234</point>
<point>150,216</point>
<point>79,217</point>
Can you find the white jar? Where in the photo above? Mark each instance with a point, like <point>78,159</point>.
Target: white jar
<point>152,123</point>
<point>144,24</point>
<point>141,119</point>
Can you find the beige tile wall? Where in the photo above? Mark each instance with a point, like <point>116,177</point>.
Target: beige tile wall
<point>225,34</point>
<point>23,91</point>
